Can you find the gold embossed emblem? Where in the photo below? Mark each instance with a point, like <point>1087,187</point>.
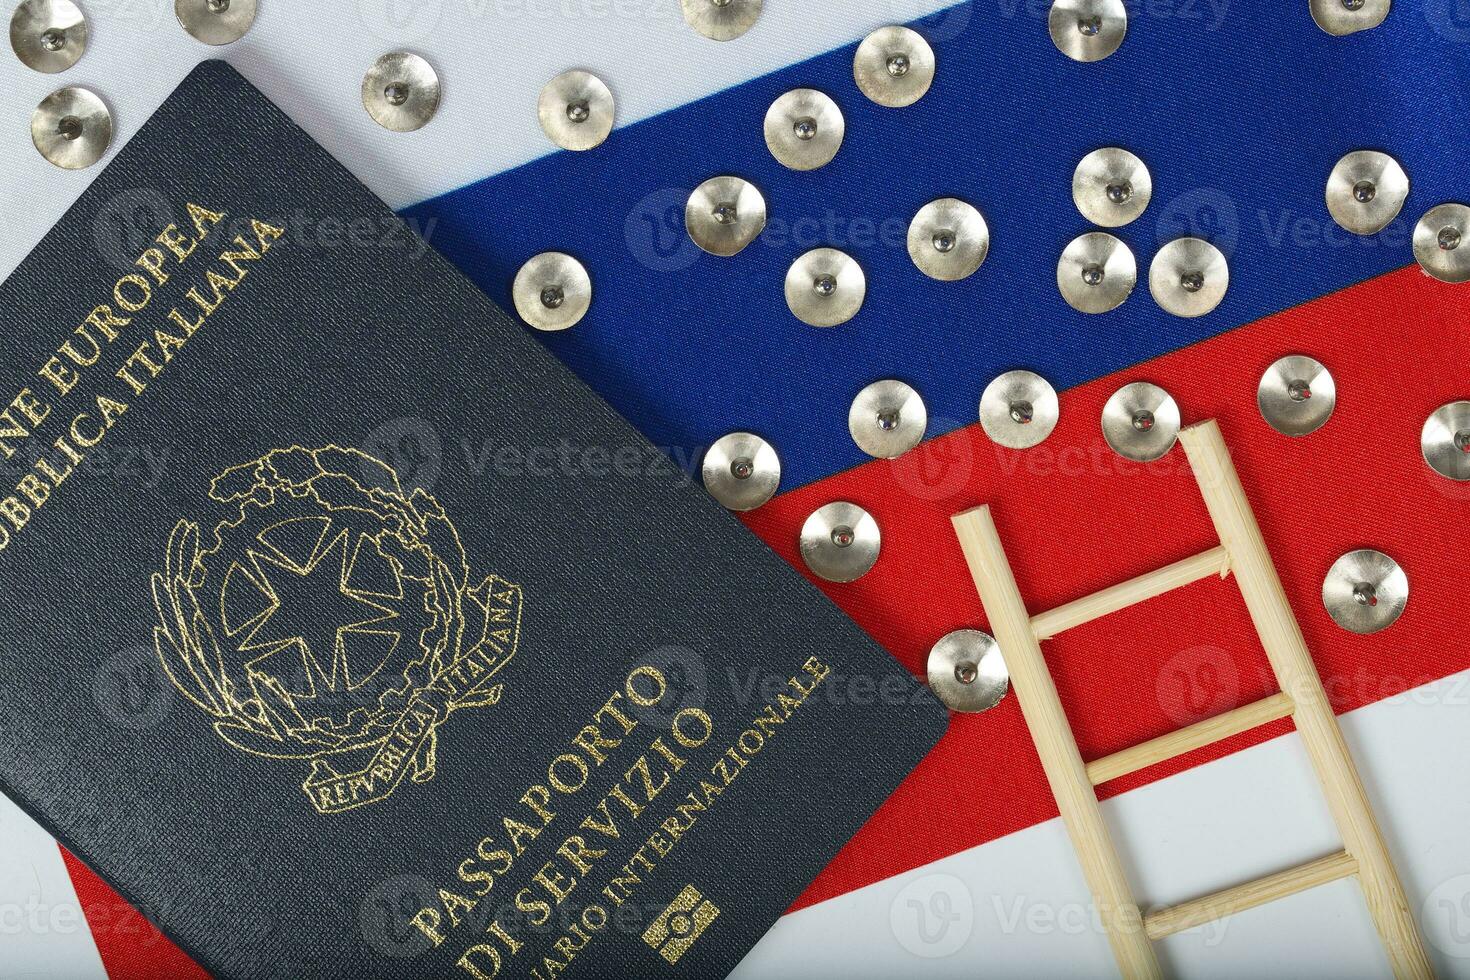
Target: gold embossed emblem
<point>679,925</point>
<point>331,617</point>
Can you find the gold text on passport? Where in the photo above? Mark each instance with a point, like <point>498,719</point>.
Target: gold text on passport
<point>83,389</point>
<point>610,851</point>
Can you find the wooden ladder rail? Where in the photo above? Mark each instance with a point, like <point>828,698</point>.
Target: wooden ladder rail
<point>1242,551</point>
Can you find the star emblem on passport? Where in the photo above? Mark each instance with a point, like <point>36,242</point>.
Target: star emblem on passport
<point>330,617</point>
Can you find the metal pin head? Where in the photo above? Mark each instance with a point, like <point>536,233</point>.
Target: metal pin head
<point>576,110</point>
<point>1096,272</point>
<point>1296,395</point>
<point>967,672</point>
<point>1365,591</point>
<point>948,239</point>
<point>1111,187</point>
<point>48,35</point>
<point>1189,277</point>
<point>1442,242</point>
<point>887,419</point>
<point>804,129</point>
<point>1445,441</point>
<point>1141,421</point>
<point>840,542</point>
<point>215,21</point>
<point>401,92</point>
<point>1365,191</point>
<point>725,214</point>
<point>894,66</point>
<point>1343,17</point>
<point>552,291</point>
<point>72,128</point>
<point>1087,30</point>
<point>721,20</point>
<point>825,287</point>
<point>741,471</point>
<point>1019,409</point>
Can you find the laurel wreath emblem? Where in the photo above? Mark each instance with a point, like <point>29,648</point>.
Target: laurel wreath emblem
<point>331,617</point>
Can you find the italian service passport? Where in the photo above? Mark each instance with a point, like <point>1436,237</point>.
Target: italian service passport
<point>349,635</point>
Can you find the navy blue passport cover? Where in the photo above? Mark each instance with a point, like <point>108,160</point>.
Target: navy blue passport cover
<point>348,634</point>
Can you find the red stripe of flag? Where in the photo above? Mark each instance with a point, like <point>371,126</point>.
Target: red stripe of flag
<point>1076,518</point>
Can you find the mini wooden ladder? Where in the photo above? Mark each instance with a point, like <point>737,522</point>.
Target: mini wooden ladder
<point>1243,551</point>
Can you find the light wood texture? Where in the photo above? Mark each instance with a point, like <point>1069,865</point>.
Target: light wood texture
<point>1218,905</point>
<point>1216,561</point>
<point>1297,674</point>
<point>1196,736</point>
<point>1060,758</point>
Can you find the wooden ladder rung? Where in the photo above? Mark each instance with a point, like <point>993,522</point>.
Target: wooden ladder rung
<point>1216,561</point>
<point>1196,736</point>
<point>1177,918</point>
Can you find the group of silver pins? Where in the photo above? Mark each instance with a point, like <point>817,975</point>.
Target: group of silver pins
<point>1097,272</point>
<point>894,67</point>
<point>72,127</point>
<point>948,240</point>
